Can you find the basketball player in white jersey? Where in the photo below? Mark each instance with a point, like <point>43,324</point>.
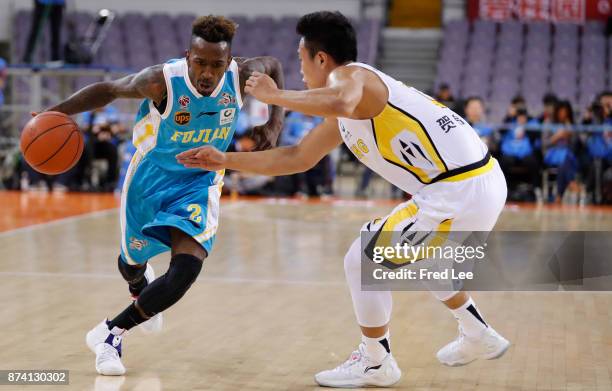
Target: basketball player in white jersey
<point>409,139</point>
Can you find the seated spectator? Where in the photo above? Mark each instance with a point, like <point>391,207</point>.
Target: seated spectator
<point>314,182</point>
<point>517,156</point>
<point>550,103</point>
<point>103,133</point>
<point>596,146</point>
<point>607,169</point>
<point>474,114</point>
<point>558,149</point>
<point>239,182</point>
<point>518,103</point>
<point>241,142</point>
<point>3,77</point>
<point>605,99</point>
<point>297,125</point>
<point>445,96</point>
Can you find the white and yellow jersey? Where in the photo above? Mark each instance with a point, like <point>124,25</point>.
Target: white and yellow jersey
<point>415,140</point>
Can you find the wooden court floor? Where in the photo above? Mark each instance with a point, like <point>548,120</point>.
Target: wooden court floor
<point>270,308</point>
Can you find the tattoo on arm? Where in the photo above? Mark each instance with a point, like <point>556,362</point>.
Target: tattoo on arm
<point>271,67</point>
<point>264,136</point>
<point>148,83</point>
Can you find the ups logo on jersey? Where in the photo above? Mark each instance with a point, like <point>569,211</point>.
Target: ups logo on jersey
<point>182,117</point>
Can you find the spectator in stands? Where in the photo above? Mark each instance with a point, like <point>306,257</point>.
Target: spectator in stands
<point>3,77</point>
<point>445,96</point>
<point>241,141</point>
<point>103,134</point>
<point>596,146</point>
<point>517,104</point>
<point>318,180</point>
<point>240,182</point>
<point>43,9</point>
<point>474,113</point>
<point>550,103</point>
<point>518,159</point>
<point>605,100</point>
<point>558,153</point>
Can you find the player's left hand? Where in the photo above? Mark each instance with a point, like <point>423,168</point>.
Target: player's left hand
<point>207,158</point>
<point>261,86</point>
<point>266,135</point>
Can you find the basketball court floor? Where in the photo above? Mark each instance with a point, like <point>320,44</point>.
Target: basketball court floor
<point>270,308</point>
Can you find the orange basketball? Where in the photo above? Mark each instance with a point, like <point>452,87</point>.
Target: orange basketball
<point>51,143</point>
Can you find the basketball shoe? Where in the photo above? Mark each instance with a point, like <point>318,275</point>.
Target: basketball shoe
<point>107,348</point>
<point>463,350</point>
<point>360,371</point>
<point>153,324</point>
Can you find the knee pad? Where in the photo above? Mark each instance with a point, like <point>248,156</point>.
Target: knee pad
<point>132,274</point>
<point>169,288</point>
<point>183,271</point>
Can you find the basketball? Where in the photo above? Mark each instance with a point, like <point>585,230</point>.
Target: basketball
<point>51,143</point>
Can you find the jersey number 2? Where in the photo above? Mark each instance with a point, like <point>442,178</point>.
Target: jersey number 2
<point>196,213</point>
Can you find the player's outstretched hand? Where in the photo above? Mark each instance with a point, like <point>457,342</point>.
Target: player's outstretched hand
<point>261,86</point>
<point>206,157</point>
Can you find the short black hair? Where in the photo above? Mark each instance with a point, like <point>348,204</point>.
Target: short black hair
<point>212,28</point>
<point>471,98</point>
<point>550,99</point>
<point>518,99</point>
<point>329,32</point>
<point>522,111</point>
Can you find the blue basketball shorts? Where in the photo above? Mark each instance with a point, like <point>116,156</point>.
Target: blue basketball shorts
<point>153,200</point>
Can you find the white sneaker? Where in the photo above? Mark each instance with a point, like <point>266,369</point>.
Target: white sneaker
<point>107,348</point>
<point>463,350</point>
<point>360,371</point>
<point>153,324</point>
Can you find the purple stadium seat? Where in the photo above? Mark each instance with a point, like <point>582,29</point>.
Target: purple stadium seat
<point>593,28</point>
<point>455,27</point>
<point>566,29</point>
<point>182,27</point>
<point>484,27</point>
<point>511,28</point>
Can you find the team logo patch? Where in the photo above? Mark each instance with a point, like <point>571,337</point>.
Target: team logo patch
<point>226,99</point>
<point>227,116</point>
<point>184,101</point>
<point>182,117</point>
<point>137,244</point>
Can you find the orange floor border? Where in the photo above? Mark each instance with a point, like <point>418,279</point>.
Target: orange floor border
<point>22,209</point>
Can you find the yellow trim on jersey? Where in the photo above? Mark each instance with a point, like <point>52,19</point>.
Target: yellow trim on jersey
<point>149,132</point>
<point>212,226</point>
<point>389,228</point>
<point>137,158</point>
<point>437,239</point>
<point>410,210</point>
<point>393,121</point>
<point>473,173</point>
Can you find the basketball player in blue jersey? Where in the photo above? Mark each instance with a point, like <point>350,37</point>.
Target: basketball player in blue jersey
<point>414,142</point>
<point>188,102</point>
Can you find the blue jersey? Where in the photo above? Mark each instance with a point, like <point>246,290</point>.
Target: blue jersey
<point>189,120</point>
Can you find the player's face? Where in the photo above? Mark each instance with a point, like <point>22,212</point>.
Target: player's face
<point>313,70</point>
<point>207,62</point>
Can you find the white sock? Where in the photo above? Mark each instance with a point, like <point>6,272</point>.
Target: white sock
<point>377,348</point>
<point>469,319</point>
